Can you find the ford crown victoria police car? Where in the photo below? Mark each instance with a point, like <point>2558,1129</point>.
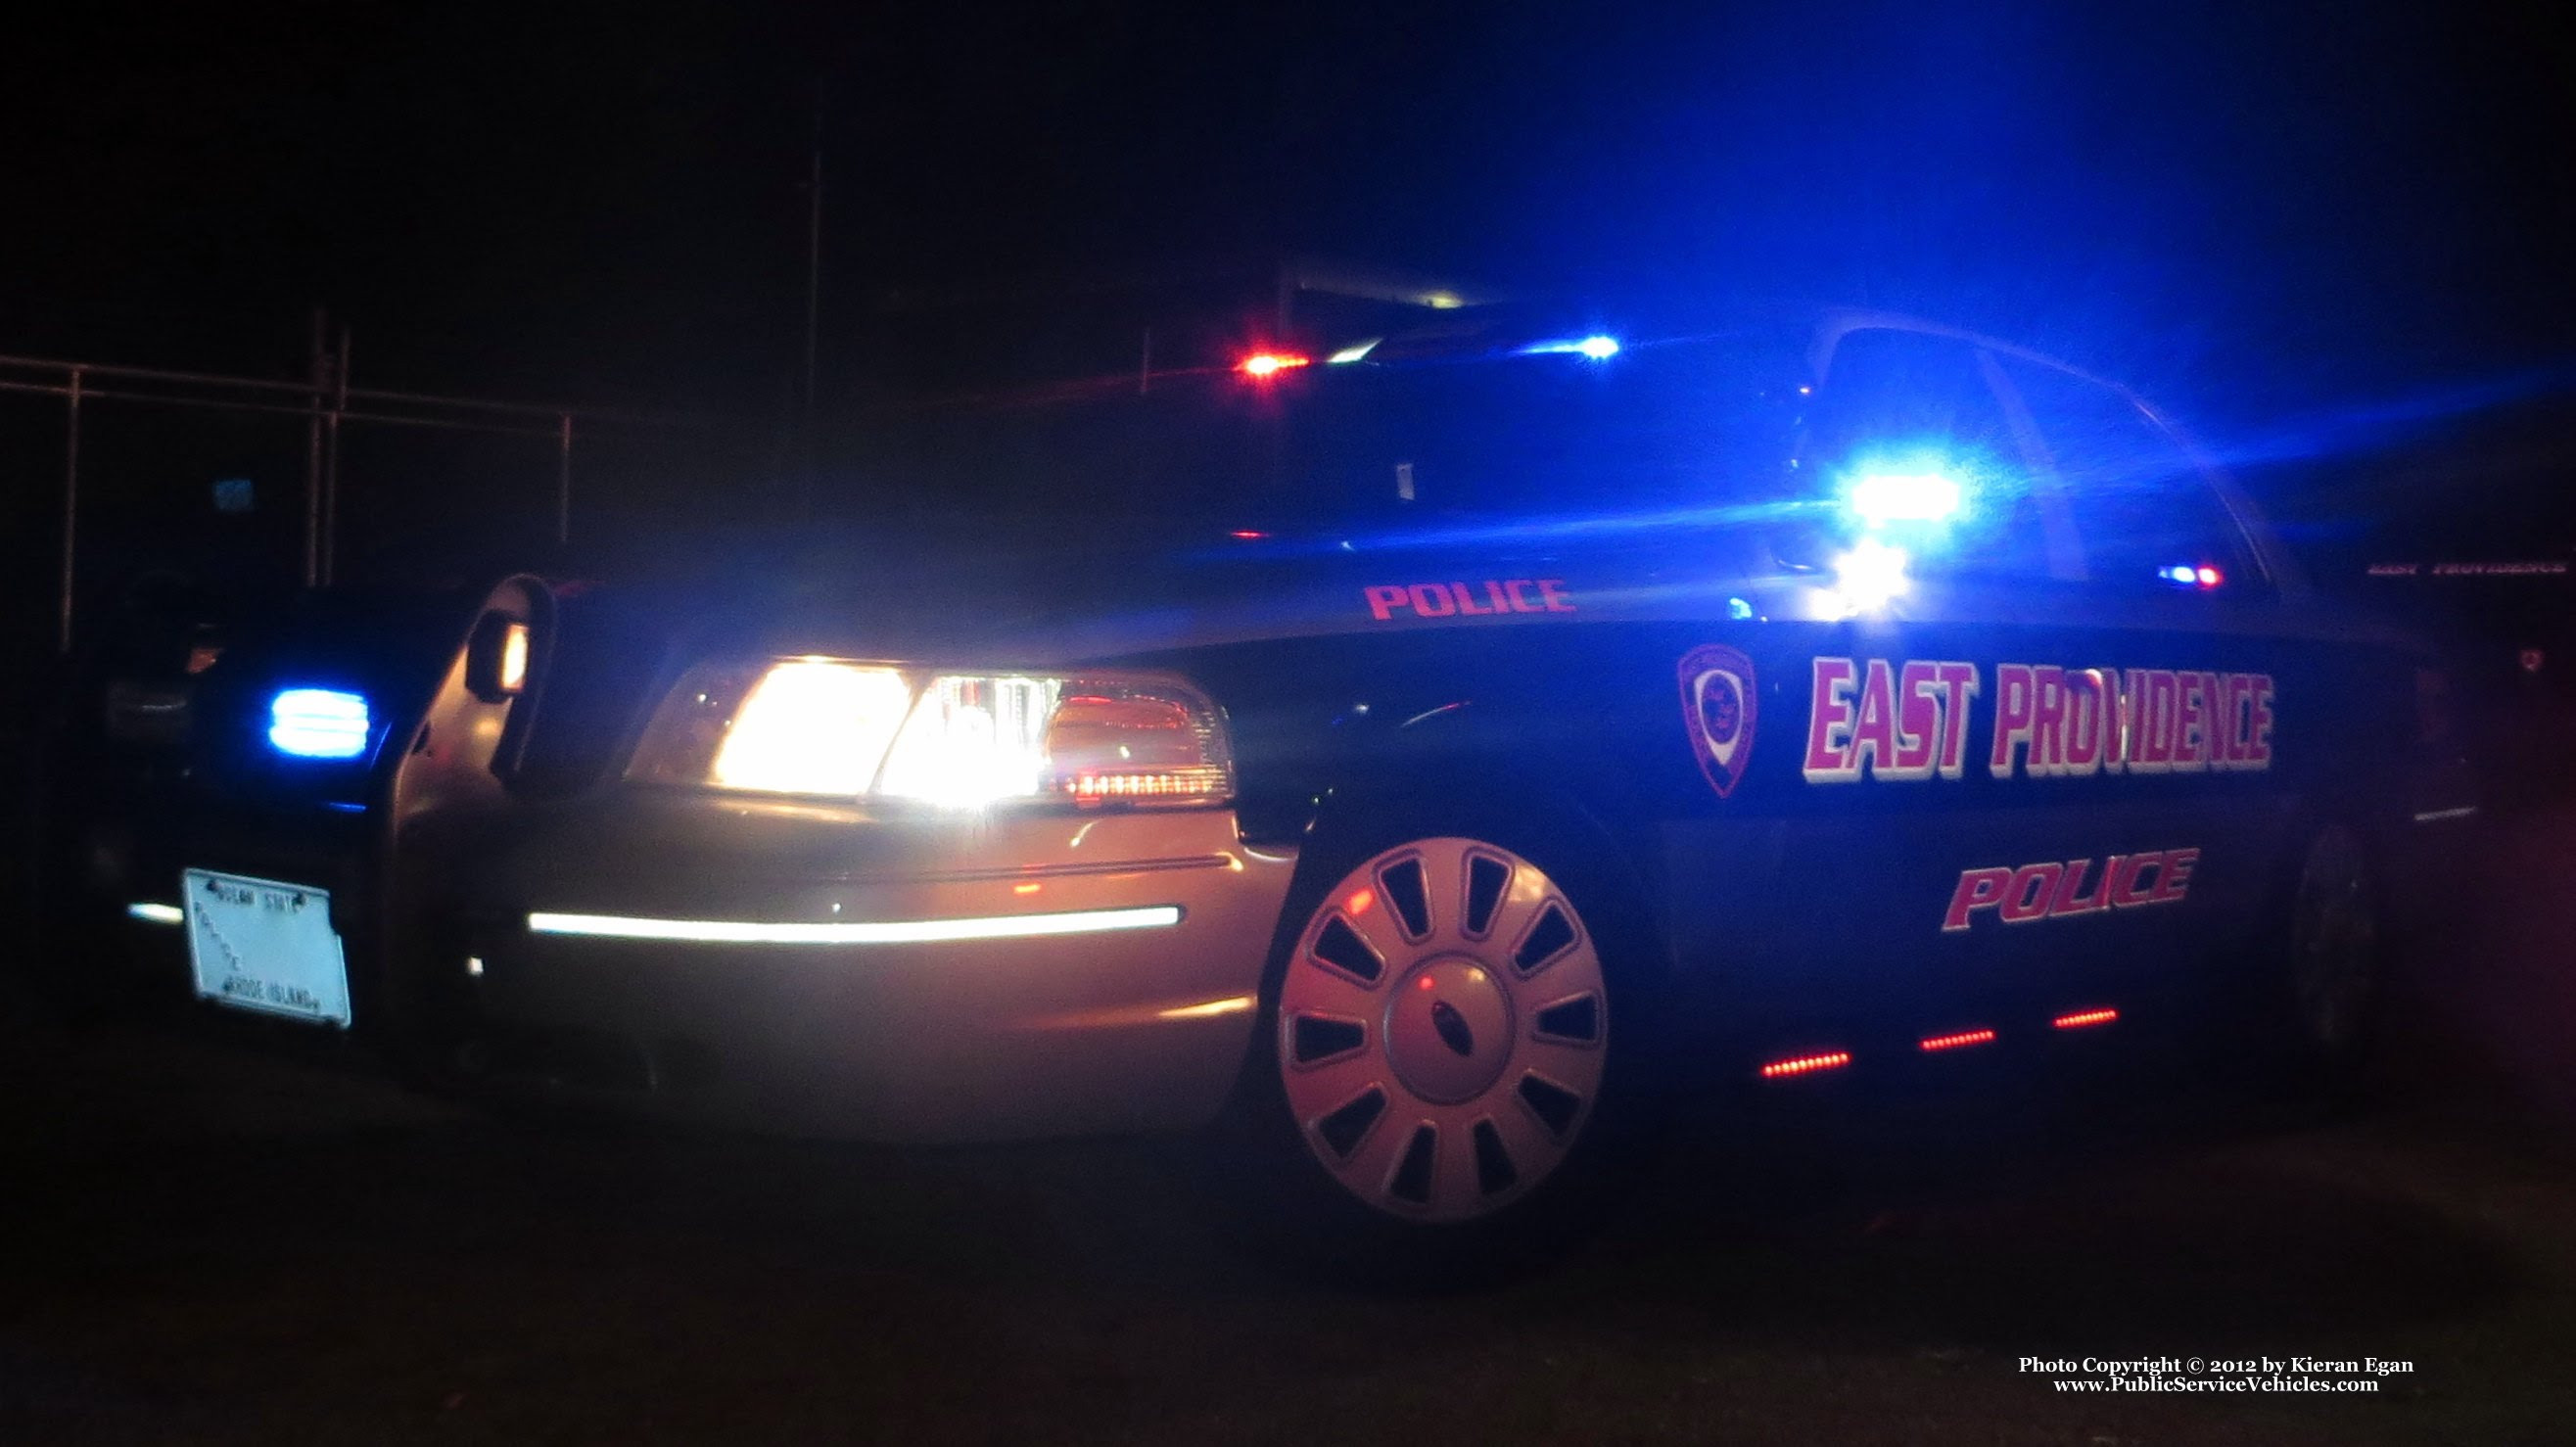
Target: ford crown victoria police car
<point>1723,703</point>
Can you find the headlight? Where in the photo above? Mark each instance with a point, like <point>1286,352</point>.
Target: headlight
<point>831,727</point>
<point>811,728</point>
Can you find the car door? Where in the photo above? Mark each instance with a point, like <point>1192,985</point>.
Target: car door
<point>2005,781</point>
<point>2221,699</point>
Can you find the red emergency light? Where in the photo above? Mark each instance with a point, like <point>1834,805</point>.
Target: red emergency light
<point>2079,1019</point>
<point>1958,1041</point>
<point>1270,364</point>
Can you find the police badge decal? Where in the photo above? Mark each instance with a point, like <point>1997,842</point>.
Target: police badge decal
<point>1717,709</point>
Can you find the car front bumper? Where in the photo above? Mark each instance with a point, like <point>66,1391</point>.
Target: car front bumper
<point>901,979</point>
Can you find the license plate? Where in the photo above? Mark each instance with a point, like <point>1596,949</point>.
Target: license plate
<point>259,944</point>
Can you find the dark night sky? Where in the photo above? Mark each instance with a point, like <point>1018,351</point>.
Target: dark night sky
<point>2246,208</point>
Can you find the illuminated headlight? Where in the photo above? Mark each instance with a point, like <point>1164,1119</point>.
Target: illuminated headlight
<point>822,726</point>
<point>811,727</point>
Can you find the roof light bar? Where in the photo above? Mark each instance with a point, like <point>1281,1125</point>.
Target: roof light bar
<point>850,932</point>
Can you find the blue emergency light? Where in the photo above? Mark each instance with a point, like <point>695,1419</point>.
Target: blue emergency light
<point>318,723</point>
<point>1597,347</point>
<point>1880,498</point>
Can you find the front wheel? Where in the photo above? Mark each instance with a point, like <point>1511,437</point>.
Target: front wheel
<point>1443,1026</point>
<point>1437,1069</point>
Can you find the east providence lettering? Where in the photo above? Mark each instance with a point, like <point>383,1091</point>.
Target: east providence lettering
<point>1905,721</point>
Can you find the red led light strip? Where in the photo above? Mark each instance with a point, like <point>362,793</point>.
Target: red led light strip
<point>1959,1041</point>
<point>2081,1018</point>
<point>1188,780</point>
<point>1806,1064</point>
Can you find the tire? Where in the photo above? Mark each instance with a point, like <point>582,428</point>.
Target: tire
<point>1447,1085</point>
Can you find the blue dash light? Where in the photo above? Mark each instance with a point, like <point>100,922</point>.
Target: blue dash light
<point>318,723</point>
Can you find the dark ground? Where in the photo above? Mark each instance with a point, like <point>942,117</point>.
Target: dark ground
<point>210,1244</point>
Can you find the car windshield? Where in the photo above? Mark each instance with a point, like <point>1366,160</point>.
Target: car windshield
<point>1376,432</point>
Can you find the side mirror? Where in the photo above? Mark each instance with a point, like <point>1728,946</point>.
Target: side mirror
<point>496,658</point>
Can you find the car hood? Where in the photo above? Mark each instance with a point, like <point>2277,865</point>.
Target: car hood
<point>1003,595</point>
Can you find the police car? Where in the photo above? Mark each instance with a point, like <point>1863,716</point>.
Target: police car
<point>1407,756</point>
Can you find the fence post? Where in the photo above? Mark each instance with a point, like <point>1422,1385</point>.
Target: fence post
<point>313,451</point>
<point>71,508</point>
<point>563,483</point>
<point>331,462</point>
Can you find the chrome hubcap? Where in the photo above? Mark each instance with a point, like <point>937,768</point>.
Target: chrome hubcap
<point>2335,940</point>
<point>1442,1029</point>
<point>1448,1029</point>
